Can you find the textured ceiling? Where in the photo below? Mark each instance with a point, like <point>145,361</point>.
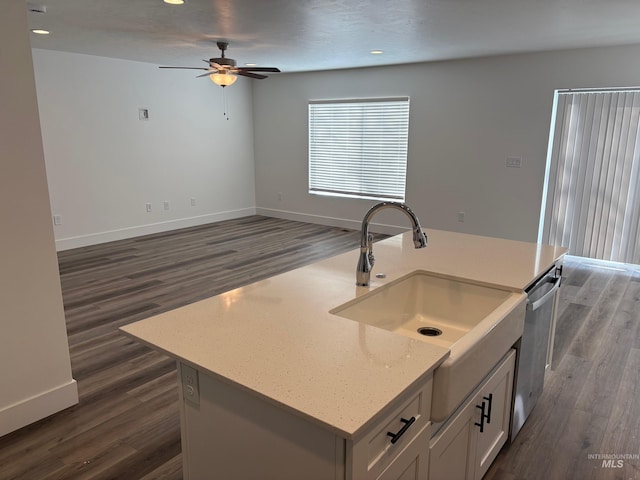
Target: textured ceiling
<point>303,35</point>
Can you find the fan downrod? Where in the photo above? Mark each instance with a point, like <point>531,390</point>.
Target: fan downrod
<point>222,46</point>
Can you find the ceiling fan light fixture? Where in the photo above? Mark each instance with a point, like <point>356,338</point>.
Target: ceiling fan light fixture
<point>223,79</point>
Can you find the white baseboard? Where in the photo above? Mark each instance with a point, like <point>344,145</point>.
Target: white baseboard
<point>330,221</point>
<point>38,407</point>
<point>124,233</point>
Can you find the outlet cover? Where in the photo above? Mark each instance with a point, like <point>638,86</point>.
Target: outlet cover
<point>190,388</point>
<point>57,220</point>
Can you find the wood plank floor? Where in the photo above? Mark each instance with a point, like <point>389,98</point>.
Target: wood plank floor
<point>591,402</point>
<point>127,426</point>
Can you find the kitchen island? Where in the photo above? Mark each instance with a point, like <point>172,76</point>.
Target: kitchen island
<point>273,351</point>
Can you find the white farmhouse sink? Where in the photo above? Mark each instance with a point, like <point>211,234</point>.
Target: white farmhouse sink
<point>479,323</point>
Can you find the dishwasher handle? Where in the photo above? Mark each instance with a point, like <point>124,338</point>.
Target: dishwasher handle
<point>533,306</point>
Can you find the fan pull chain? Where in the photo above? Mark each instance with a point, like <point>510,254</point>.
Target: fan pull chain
<point>225,103</point>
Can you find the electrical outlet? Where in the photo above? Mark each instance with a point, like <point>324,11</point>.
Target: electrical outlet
<point>279,196</point>
<point>193,201</point>
<point>190,388</point>
<point>461,216</point>
<point>57,220</point>
<point>148,207</point>
<point>166,205</point>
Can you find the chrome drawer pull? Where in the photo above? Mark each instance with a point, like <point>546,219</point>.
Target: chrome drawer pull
<point>407,423</point>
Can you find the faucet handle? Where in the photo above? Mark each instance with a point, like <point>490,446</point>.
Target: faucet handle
<point>370,256</point>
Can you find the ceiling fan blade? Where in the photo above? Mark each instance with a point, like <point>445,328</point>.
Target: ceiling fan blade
<point>251,75</point>
<point>210,72</point>
<point>188,68</point>
<point>259,69</point>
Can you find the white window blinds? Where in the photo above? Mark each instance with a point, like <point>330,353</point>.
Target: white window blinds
<point>358,148</point>
<point>593,199</point>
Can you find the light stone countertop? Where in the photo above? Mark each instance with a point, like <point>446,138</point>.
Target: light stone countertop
<point>276,338</point>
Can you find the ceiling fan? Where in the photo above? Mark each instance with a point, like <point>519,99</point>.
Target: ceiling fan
<point>223,71</point>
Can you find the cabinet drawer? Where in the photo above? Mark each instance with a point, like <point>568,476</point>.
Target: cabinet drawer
<point>376,450</point>
<point>413,462</point>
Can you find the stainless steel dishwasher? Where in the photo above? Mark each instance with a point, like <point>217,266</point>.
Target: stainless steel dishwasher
<point>532,351</point>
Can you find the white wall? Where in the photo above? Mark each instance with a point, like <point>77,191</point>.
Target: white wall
<point>35,370</point>
<point>466,118</point>
<point>104,164</point>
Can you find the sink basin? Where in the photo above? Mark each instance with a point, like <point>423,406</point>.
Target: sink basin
<point>420,300</point>
<point>478,323</point>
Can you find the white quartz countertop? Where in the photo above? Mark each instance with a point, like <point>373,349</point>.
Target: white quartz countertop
<point>497,261</point>
<point>276,338</point>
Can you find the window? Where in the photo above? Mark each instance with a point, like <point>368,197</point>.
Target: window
<point>358,148</point>
<point>593,198</point>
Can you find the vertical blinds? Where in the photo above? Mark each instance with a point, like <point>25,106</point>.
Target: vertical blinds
<point>593,203</point>
<point>358,148</point>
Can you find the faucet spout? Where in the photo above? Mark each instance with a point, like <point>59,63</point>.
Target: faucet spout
<point>366,258</point>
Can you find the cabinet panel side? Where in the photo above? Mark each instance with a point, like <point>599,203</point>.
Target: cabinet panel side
<point>232,434</point>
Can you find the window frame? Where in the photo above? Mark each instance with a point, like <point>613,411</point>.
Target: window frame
<point>347,155</point>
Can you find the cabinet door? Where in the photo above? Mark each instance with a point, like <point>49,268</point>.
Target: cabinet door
<point>452,451</point>
<point>412,463</point>
<point>496,395</point>
<point>460,450</point>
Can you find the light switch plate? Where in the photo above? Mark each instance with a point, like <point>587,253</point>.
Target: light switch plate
<point>515,162</point>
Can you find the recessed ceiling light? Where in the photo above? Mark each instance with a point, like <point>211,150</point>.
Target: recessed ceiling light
<point>174,2</point>
<point>376,52</point>
<point>251,64</point>
<point>40,31</point>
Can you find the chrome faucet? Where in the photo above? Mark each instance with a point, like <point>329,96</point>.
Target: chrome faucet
<point>366,260</point>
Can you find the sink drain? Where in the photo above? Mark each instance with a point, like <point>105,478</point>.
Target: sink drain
<point>430,331</point>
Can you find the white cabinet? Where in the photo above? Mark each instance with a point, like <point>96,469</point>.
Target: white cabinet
<point>376,450</point>
<point>469,441</point>
<point>230,433</point>
<point>233,434</point>
<point>451,454</point>
<point>413,462</point>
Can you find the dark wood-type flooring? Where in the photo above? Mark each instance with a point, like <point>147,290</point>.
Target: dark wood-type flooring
<point>126,425</point>
<point>591,401</point>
